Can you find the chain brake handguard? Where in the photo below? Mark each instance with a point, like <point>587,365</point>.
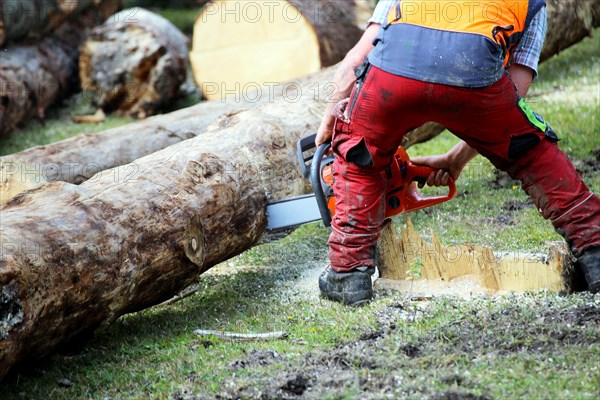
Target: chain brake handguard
<point>402,194</point>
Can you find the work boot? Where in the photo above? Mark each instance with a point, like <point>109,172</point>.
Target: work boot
<point>352,288</point>
<point>589,264</point>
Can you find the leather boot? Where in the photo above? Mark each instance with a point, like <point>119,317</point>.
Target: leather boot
<point>589,265</point>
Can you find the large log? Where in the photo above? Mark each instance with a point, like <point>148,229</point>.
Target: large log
<point>77,159</point>
<point>75,257</point>
<point>135,62</point>
<point>569,22</point>
<point>34,75</point>
<point>20,19</point>
<point>273,41</point>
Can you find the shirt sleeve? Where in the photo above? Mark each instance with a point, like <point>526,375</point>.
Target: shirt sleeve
<point>528,50</point>
<point>381,12</point>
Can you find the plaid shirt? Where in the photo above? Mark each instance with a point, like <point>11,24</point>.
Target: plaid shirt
<point>526,53</point>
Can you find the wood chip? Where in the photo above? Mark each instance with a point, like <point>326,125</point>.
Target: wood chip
<point>96,118</point>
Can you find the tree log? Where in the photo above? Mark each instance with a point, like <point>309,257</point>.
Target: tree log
<point>569,22</point>
<point>20,19</point>
<point>77,159</point>
<point>274,41</point>
<point>135,62</point>
<point>34,75</point>
<point>75,257</point>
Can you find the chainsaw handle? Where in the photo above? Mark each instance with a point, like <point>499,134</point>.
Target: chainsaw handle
<point>305,144</point>
<point>315,181</point>
<point>420,173</point>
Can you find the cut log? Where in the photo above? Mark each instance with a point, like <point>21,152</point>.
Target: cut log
<point>75,257</point>
<point>241,44</point>
<point>34,75</point>
<point>135,62</point>
<point>20,19</point>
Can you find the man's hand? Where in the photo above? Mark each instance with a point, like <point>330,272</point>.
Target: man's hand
<point>344,80</point>
<point>325,129</point>
<point>448,165</point>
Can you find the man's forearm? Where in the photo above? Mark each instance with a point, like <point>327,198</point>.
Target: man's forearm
<point>344,80</point>
<point>521,76</point>
<point>462,153</point>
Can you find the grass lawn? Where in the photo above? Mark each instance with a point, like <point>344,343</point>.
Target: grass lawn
<point>532,345</point>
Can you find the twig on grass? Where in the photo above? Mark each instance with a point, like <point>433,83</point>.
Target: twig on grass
<point>242,337</point>
<point>182,295</point>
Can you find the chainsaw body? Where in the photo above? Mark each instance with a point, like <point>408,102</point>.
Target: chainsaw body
<point>403,176</point>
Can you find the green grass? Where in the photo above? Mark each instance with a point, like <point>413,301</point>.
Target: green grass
<point>532,345</point>
<point>58,125</point>
<point>182,18</point>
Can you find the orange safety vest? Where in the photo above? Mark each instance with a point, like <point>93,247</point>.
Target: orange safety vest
<point>461,43</point>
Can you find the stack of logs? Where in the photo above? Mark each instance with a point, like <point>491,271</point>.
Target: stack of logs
<point>151,219</point>
<point>40,43</point>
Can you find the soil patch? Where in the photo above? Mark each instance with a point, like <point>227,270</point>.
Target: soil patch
<point>395,361</point>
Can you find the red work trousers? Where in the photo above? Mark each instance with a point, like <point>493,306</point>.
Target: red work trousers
<point>386,106</point>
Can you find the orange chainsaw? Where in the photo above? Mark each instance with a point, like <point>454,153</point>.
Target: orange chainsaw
<point>402,195</point>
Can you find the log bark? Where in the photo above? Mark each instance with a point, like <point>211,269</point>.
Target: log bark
<point>275,41</point>
<point>34,75</point>
<point>20,19</point>
<point>77,159</point>
<point>75,257</point>
<point>135,62</point>
<point>328,18</point>
<point>569,22</point>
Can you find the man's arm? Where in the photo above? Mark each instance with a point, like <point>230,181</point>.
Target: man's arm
<point>344,80</point>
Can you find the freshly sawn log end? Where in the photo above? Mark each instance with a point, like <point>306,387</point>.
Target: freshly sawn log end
<point>135,62</point>
<point>241,45</point>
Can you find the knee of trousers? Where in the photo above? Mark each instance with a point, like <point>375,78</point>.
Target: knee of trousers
<point>559,193</point>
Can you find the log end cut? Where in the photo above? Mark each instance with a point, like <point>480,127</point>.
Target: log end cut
<point>239,46</point>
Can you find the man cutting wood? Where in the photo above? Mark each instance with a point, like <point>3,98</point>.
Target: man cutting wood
<point>466,65</point>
